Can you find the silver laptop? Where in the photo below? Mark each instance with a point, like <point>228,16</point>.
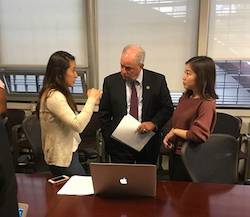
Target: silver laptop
<point>111,179</point>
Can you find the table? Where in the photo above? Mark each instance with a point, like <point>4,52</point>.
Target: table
<point>174,199</point>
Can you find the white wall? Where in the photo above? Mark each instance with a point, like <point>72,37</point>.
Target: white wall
<point>167,31</point>
<point>30,31</point>
<point>229,35</point>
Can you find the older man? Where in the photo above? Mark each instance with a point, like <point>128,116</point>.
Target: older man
<point>141,93</point>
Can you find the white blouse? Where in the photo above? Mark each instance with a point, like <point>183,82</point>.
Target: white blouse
<point>60,127</point>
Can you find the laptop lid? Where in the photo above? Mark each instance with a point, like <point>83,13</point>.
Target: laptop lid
<point>112,179</point>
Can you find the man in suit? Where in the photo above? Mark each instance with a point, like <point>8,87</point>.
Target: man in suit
<point>153,106</point>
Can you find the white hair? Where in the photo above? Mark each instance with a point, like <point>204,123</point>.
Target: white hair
<point>140,54</point>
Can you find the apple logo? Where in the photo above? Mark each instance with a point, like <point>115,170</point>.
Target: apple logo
<point>124,181</point>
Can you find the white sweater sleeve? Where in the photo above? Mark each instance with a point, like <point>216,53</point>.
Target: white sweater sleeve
<point>58,106</point>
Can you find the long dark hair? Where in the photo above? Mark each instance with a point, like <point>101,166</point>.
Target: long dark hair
<point>57,66</point>
<point>204,68</point>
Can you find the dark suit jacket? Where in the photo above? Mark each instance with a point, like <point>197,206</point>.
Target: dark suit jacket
<point>8,194</point>
<point>156,101</point>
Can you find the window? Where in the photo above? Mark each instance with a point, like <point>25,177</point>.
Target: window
<point>229,32</point>
<point>25,84</point>
<point>30,31</point>
<point>229,45</point>
<point>233,82</point>
<point>167,30</point>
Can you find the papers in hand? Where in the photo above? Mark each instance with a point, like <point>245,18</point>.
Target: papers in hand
<point>126,132</point>
<point>78,185</point>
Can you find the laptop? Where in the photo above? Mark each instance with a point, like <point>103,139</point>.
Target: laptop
<point>112,179</point>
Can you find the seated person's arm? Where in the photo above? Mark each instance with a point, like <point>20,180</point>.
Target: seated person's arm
<point>3,101</point>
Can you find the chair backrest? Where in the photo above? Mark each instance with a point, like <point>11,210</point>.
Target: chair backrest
<point>32,130</point>
<point>14,117</point>
<point>92,127</point>
<point>89,137</point>
<point>215,160</point>
<point>228,124</point>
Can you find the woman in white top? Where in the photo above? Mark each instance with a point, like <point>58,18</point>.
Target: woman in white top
<point>60,122</point>
<point>3,104</point>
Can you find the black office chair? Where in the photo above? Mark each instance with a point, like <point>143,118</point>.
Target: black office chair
<point>13,117</point>
<point>32,131</point>
<point>215,160</point>
<point>88,148</point>
<point>19,145</point>
<point>228,124</point>
<point>163,150</point>
<point>231,125</point>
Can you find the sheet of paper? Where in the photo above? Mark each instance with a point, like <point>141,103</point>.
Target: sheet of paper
<point>126,132</point>
<point>77,185</point>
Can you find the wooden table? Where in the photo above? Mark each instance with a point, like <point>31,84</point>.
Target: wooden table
<point>173,199</point>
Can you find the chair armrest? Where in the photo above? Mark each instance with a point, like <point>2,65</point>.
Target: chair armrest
<point>14,141</point>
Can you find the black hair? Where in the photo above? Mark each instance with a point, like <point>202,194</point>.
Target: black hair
<point>204,68</point>
<point>54,78</point>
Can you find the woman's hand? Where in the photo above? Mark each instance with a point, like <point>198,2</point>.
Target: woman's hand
<point>94,93</point>
<point>168,137</point>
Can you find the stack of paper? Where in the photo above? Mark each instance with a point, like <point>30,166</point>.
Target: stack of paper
<point>126,132</point>
<point>78,185</point>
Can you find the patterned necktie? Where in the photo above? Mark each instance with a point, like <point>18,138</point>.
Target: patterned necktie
<point>133,101</point>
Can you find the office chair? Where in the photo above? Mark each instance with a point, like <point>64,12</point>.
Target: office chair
<point>228,124</point>
<point>215,160</point>
<point>163,150</point>
<point>88,148</point>
<point>32,130</point>
<point>231,125</point>
<point>14,117</point>
<point>19,145</point>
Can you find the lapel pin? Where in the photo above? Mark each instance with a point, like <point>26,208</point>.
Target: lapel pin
<point>147,87</point>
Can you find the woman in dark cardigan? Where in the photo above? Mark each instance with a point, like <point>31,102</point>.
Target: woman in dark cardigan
<point>195,116</point>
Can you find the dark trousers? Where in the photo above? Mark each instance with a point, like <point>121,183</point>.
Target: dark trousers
<point>121,153</point>
<point>75,168</point>
<point>177,169</point>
